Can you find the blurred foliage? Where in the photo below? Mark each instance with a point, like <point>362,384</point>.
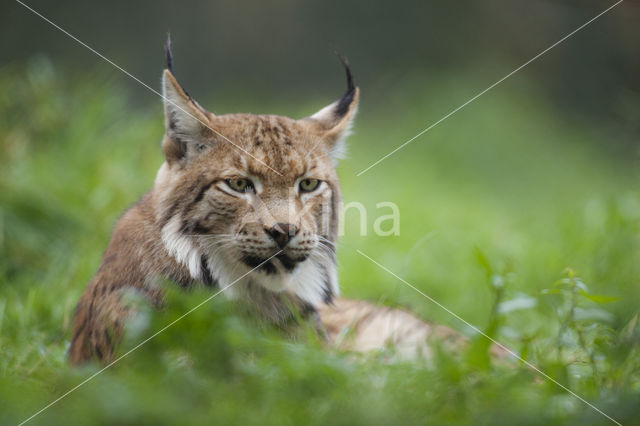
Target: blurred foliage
<point>244,49</point>
<point>495,204</point>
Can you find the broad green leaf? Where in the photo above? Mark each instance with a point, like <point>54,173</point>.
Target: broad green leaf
<point>599,298</point>
<point>593,314</point>
<point>517,304</point>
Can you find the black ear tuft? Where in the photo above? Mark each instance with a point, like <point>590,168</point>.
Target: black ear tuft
<point>347,98</point>
<point>167,53</point>
<point>345,62</point>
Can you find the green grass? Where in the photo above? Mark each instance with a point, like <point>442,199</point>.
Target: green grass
<point>496,203</point>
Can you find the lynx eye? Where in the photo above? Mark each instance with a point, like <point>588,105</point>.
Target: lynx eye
<point>240,184</point>
<point>308,185</point>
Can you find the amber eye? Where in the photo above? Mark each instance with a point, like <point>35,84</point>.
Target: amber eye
<point>240,184</point>
<point>308,185</point>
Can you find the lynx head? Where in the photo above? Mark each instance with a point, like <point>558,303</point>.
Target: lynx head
<point>239,191</point>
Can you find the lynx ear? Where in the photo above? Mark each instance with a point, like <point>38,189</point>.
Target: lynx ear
<point>333,122</point>
<point>185,120</point>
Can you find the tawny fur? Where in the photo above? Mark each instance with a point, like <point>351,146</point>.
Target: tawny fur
<point>362,326</point>
<point>194,227</point>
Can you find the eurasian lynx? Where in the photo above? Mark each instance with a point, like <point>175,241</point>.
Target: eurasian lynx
<point>242,195</point>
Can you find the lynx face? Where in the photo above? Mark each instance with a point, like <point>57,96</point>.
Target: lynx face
<point>241,191</point>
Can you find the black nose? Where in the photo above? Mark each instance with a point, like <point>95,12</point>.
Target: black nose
<point>282,233</point>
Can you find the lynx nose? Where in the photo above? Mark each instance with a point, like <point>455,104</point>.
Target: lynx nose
<point>282,233</point>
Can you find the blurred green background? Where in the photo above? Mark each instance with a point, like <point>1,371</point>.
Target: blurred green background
<point>538,175</point>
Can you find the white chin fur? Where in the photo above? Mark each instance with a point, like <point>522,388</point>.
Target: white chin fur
<point>181,248</point>
<point>310,281</point>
